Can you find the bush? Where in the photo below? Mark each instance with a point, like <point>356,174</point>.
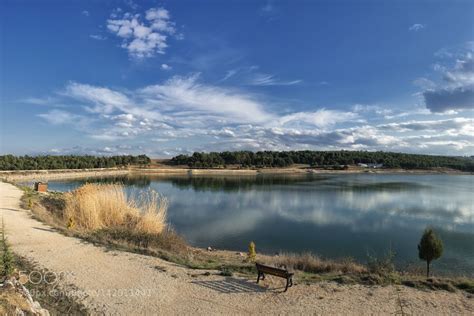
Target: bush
<point>7,259</point>
<point>381,265</point>
<point>430,248</point>
<point>98,206</point>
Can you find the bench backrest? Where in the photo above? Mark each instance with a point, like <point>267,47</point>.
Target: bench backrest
<point>271,270</point>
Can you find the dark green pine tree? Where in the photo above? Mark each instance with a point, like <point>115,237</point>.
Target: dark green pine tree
<point>430,248</point>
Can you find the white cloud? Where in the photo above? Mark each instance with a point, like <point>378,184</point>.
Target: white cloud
<point>98,37</point>
<point>320,118</point>
<point>85,13</point>
<point>457,124</point>
<point>60,117</point>
<point>456,91</point>
<point>187,96</point>
<point>416,27</point>
<point>166,67</point>
<point>143,38</point>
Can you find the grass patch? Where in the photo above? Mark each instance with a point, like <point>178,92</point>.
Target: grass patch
<point>311,263</point>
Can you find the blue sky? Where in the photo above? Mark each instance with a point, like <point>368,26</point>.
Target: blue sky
<point>165,78</point>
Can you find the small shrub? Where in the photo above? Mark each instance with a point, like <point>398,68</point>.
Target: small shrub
<point>430,248</point>
<point>7,259</point>
<point>70,223</point>
<point>252,254</point>
<point>381,265</point>
<point>226,272</point>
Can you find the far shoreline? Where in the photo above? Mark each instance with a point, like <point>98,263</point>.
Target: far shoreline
<point>58,174</point>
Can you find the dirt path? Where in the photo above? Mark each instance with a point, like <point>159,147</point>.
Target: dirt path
<point>115,282</point>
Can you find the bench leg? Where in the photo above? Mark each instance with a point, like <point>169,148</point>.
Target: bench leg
<point>291,281</point>
<point>260,274</point>
<point>258,277</point>
<point>287,284</point>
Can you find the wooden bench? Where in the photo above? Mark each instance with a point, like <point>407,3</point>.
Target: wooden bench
<point>282,273</point>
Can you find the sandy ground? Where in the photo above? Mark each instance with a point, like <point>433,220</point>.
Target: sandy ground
<point>115,282</point>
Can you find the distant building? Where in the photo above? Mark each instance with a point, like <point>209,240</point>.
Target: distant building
<point>370,165</point>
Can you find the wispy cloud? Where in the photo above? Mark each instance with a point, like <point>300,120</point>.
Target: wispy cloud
<point>166,67</point>
<point>98,37</point>
<point>261,79</point>
<point>269,11</point>
<point>146,37</point>
<point>85,13</point>
<point>416,27</point>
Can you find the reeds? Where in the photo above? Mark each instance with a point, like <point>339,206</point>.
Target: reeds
<point>308,262</point>
<point>97,206</point>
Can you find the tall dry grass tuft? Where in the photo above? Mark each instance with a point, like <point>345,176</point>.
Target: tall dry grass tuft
<point>96,206</point>
<point>154,209</point>
<point>308,262</point>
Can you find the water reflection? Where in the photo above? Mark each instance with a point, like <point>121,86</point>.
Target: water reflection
<point>330,215</point>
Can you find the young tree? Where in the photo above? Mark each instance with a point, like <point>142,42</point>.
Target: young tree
<point>252,254</point>
<point>430,248</point>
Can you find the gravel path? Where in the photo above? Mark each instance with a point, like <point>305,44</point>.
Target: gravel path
<point>114,282</point>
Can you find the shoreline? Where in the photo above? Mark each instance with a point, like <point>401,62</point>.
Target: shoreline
<point>44,175</point>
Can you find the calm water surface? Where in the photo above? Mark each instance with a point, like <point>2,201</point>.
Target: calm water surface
<point>333,216</point>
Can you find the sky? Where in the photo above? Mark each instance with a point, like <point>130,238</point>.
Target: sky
<point>172,77</point>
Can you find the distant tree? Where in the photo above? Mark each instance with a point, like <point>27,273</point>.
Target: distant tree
<point>430,248</point>
<point>9,162</point>
<point>269,159</point>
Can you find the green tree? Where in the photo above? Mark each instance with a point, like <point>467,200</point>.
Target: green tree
<point>430,248</point>
<point>252,254</point>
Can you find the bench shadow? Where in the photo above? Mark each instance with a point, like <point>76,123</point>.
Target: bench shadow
<point>231,285</point>
<point>11,209</point>
<point>46,229</point>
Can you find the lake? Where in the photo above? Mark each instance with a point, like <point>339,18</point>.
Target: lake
<point>332,216</point>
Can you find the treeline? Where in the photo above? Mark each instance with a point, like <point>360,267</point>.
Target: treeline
<point>266,159</point>
<point>10,162</point>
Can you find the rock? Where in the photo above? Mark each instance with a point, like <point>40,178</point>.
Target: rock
<point>209,248</point>
<point>8,284</point>
<point>19,312</point>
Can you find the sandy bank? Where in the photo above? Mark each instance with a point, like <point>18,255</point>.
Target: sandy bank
<point>44,175</point>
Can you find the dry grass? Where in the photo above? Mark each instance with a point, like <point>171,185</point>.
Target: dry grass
<point>98,206</point>
<point>310,263</point>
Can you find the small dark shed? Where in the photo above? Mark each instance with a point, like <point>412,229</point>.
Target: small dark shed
<point>41,186</point>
